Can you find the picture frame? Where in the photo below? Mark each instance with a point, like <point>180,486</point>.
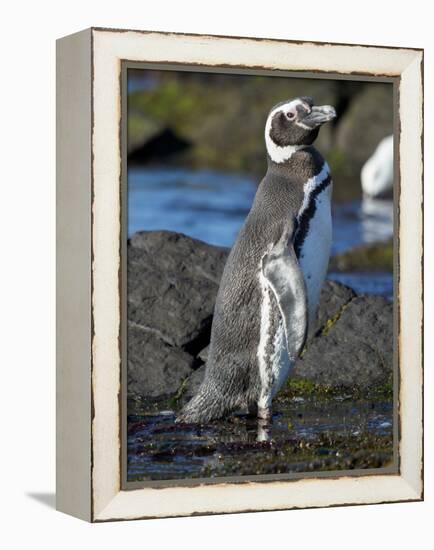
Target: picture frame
<point>91,271</point>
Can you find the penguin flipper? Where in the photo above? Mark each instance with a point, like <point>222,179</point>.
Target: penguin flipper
<point>282,271</point>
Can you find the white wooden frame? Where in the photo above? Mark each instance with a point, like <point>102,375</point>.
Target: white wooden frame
<point>88,263</point>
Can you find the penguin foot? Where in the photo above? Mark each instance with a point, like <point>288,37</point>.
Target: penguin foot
<point>264,413</point>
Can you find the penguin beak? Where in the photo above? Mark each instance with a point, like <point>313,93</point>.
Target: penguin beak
<point>319,115</point>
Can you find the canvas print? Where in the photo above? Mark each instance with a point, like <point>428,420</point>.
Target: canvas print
<point>259,284</point>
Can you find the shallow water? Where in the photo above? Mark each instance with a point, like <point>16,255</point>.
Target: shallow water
<point>212,206</point>
<point>306,435</point>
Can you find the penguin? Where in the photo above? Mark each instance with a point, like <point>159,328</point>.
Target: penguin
<point>377,172</point>
<point>268,295</point>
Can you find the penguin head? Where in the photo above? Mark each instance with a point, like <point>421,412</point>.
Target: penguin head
<point>294,124</point>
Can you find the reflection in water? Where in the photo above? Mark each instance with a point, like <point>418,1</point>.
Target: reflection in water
<point>304,435</point>
<point>264,430</point>
<point>377,219</point>
<point>361,222</point>
<point>355,223</point>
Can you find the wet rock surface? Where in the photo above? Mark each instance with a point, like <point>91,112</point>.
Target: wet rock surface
<point>306,435</point>
<point>172,285</point>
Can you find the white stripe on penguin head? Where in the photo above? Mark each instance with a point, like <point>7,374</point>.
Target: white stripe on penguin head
<point>280,153</point>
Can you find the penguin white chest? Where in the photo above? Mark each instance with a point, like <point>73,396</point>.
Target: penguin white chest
<point>315,249</point>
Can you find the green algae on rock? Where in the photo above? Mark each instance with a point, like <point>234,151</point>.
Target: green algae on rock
<point>367,257</point>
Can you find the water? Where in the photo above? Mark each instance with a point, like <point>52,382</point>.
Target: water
<point>212,206</point>
<point>366,283</point>
<point>305,435</point>
<point>361,222</point>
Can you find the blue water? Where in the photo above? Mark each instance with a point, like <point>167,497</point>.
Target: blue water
<point>212,206</point>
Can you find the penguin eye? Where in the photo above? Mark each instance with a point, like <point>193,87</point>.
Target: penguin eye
<point>290,115</point>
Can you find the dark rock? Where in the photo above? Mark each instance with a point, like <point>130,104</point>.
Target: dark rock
<point>333,297</point>
<point>355,350</point>
<point>193,383</point>
<point>172,285</point>
<point>142,129</point>
<point>155,368</point>
<point>162,145</point>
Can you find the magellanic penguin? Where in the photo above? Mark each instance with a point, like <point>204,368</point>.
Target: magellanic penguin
<point>377,172</point>
<point>271,283</point>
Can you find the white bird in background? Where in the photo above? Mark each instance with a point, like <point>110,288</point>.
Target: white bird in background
<point>377,172</point>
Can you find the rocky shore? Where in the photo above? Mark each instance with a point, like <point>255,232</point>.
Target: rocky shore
<point>172,285</point>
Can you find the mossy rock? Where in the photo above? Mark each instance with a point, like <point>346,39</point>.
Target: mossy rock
<point>367,121</point>
<point>368,257</point>
<point>223,116</point>
<point>141,129</point>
